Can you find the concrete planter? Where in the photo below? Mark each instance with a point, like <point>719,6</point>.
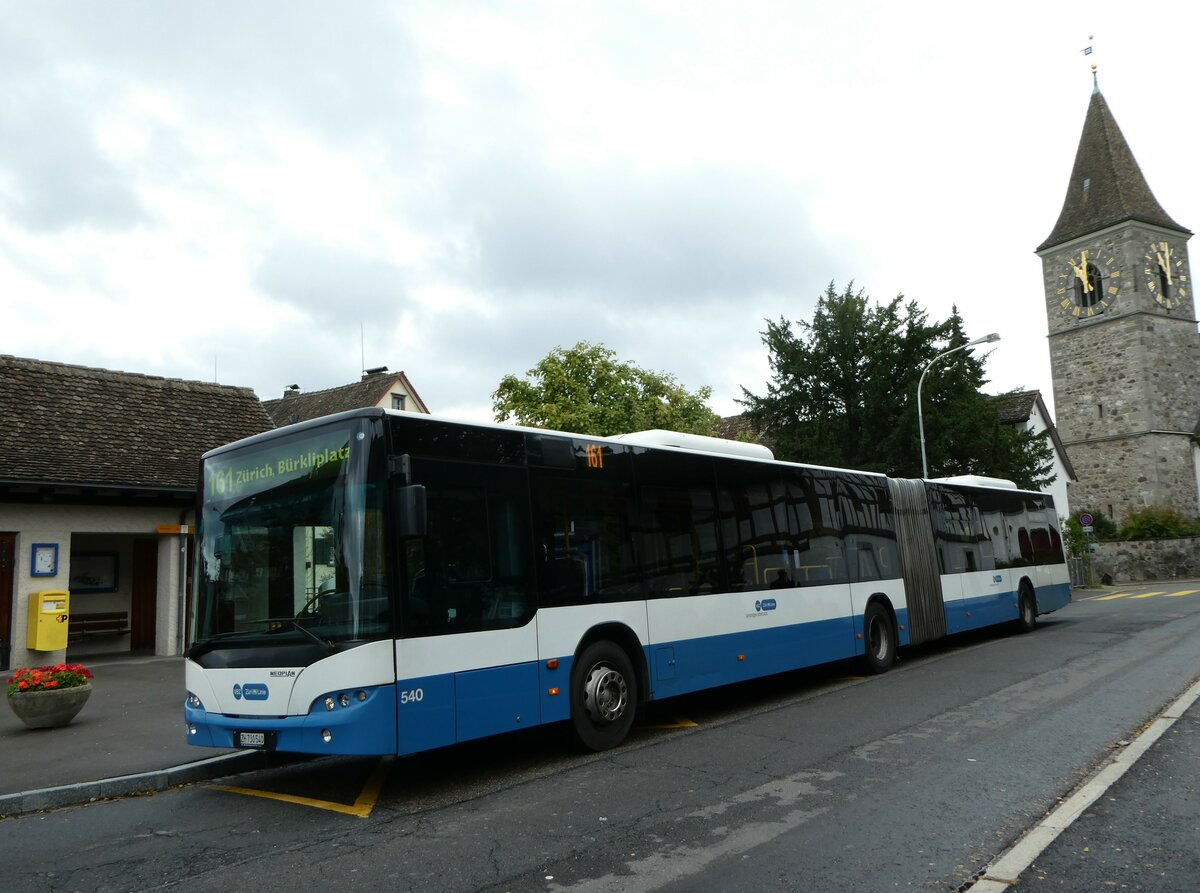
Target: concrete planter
<point>50,708</point>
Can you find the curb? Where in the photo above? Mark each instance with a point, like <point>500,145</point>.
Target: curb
<point>141,783</point>
<point>1006,871</point>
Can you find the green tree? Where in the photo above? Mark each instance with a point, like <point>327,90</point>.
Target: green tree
<point>1103,527</point>
<point>587,390</point>
<point>843,392</point>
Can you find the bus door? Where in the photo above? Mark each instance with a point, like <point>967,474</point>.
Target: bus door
<point>466,657</point>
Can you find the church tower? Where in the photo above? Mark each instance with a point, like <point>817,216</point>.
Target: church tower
<point>1124,350</point>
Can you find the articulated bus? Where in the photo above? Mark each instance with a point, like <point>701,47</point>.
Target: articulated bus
<point>381,582</point>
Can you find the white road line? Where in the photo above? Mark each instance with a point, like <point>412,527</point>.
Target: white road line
<point>1001,874</point>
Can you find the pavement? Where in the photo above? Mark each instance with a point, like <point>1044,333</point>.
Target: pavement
<point>1135,826</point>
<point>128,739</point>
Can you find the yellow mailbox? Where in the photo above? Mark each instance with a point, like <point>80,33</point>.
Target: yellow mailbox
<point>48,613</point>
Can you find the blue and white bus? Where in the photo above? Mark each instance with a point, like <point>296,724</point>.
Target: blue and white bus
<point>380,582</point>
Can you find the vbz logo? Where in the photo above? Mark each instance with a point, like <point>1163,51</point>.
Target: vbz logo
<point>251,691</point>
<point>766,604</point>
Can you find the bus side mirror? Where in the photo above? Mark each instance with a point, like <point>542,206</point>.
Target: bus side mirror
<point>409,502</point>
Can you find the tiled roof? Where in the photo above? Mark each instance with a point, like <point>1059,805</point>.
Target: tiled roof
<point>62,424</point>
<point>369,391</point>
<point>1018,407</point>
<point>1107,186</point>
<point>731,426</point>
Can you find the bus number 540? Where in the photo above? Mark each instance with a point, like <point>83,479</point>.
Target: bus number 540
<point>412,696</point>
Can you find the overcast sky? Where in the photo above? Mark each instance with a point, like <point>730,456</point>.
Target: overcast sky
<point>271,193</point>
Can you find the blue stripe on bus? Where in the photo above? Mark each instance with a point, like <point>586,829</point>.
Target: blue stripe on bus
<point>904,635</point>
<point>983,610</point>
<point>362,728</point>
<point>1052,597</point>
<point>694,664</point>
<point>1001,607</point>
<point>436,711</point>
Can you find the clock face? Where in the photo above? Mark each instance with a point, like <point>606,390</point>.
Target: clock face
<point>1089,282</point>
<point>1166,273</point>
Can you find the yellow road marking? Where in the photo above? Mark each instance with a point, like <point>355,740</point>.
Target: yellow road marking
<point>1184,592</point>
<point>679,723</point>
<point>1145,595</point>
<point>1108,598</point>
<point>361,807</point>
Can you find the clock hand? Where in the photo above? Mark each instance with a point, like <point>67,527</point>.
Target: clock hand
<point>1164,259</point>
<point>1081,273</point>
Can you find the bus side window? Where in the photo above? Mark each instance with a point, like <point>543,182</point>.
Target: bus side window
<point>678,519</point>
<point>754,533</point>
<point>815,527</point>
<point>583,533</point>
<point>471,571</point>
<point>1025,545</point>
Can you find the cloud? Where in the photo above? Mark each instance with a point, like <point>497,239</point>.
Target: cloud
<point>623,236</point>
<point>334,286</point>
<point>53,172</point>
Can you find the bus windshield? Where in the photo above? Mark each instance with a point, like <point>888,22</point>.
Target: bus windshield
<point>291,543</point>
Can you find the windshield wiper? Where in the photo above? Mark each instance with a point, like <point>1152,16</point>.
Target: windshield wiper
<point>320,640</point>
<point>204,646</point>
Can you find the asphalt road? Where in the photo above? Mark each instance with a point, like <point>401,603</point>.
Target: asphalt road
<point>818,781</point>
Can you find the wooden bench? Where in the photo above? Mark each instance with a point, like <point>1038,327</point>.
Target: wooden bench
<point>103,623</point>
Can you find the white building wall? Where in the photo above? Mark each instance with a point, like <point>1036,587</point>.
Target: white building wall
<point>1039,424</point>
<point>59,524</point>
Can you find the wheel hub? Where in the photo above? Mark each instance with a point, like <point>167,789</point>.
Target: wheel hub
<point>605,694</point>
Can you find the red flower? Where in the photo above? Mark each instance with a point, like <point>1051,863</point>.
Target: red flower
<point>57,676</point>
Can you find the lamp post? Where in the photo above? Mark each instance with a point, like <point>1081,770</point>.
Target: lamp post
<point>920,381</point>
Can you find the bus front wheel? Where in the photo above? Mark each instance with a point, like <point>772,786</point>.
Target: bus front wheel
<point>879,636</point>
<point>603,696</point>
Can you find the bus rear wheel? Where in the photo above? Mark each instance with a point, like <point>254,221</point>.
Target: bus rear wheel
<point>1026,610</point>
<point>879,636</point>
<point>604,696</point>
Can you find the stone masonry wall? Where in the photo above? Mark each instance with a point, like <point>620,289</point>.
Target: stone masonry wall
<point>1117,476</point>
<point>1142,560</point>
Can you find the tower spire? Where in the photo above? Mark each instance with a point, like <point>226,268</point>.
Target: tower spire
<point>1107,186</point>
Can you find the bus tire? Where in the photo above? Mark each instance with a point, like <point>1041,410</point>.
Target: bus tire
<point>1026,609</point>
<point>604,696</point>
<point>879,637</point>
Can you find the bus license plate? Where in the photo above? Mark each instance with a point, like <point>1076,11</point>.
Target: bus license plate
<point>252,739</point>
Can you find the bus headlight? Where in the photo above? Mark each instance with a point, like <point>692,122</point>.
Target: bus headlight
<point>330,703</point>
<point>194,702</point>
<point>344,699</point>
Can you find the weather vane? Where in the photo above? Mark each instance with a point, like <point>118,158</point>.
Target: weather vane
<point>1087,51</point>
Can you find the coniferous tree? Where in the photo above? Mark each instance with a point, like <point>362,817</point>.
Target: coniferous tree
<point>843,392</point>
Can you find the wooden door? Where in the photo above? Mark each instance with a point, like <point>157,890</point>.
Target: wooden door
<point>143,611</point>
<point>7,566</point>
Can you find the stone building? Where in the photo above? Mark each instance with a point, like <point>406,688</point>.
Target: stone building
<point>1124,348</point>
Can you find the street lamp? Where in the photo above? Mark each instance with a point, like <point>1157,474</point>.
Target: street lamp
<point>920,381</point>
